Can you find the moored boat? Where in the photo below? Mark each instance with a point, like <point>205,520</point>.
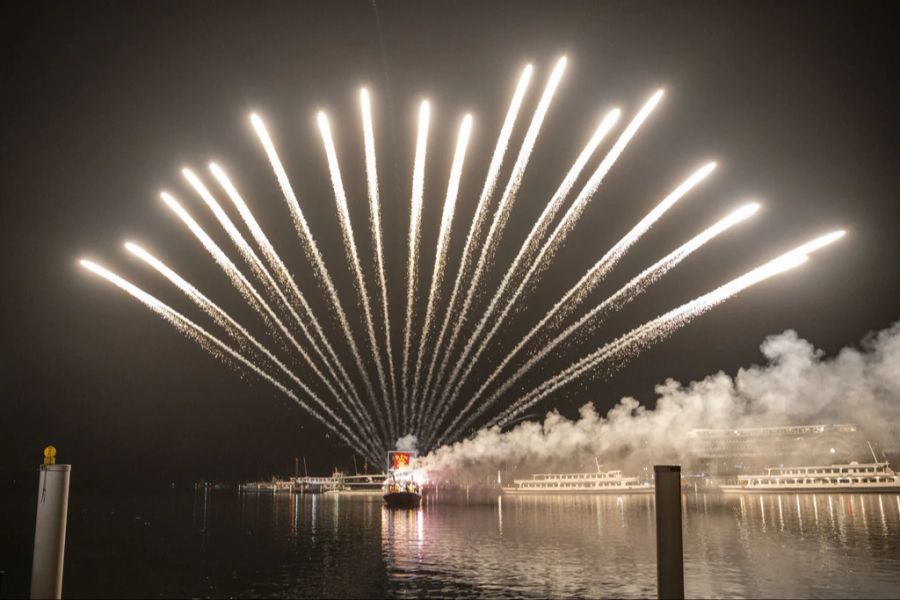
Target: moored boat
<point>601,482</point>
<point>876,477</point>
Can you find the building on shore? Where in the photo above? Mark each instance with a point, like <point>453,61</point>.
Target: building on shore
<point>722,452</point>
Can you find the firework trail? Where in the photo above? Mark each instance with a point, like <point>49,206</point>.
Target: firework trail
<point>609,260</point>
<point>577,294</point>
<point>221,318</point>
<point>240,282</point>
<point>234,329</point>
<point>315,256</point>
<point>547,251</point>
<point>375,226</point>
<point>555,204</point>
<point>502,213</point>
<point>574,212</point>
<point>350,244</point>
<point>285,279</point>
<point>440,258</point>
<point>480,214</point>
<point>632,343</point>
<point>215,346</point>
<point>415,218</point>
<point>595,317</point>
<point>253,261</point>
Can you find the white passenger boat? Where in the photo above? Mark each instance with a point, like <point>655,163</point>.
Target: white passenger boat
<point>601,482</point>
<point>852,477</point>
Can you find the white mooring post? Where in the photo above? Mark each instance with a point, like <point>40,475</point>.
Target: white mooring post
<point>669,551</point>
<point>50,528</point>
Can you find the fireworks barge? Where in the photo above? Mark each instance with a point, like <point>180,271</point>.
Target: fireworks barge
<point>403,485</point>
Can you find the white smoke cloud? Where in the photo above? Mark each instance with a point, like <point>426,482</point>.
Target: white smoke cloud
<point>407,443</point>
<point>797,385</point>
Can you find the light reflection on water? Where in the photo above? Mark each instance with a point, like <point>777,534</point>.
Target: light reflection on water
<point>735,546</point>
<point>224,544</point>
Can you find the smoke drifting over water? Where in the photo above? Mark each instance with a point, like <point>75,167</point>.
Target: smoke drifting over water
<point>797,385</point>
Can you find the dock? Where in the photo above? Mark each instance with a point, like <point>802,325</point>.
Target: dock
<point>336,483</point>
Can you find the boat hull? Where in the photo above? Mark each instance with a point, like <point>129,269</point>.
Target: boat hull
<point>403,499</point>
<point>577,492</point>
<point>822,489</point>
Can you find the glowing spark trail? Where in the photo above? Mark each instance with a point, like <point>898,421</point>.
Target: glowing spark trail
<point>480,213</point>
<point>651,332</point>
<point>440,258</point>
<point>234,329</point>
<point>239,281</point>
<point>552,208</point>
<point>587,193</point>
<point>252,260</point>
<point>596,316</point>
<point>349,242</point>
<point>629,345</point>
<point>287,283</point>
<point>581,201</point>
<point>502,213</point>
<point>315,256</point>
<point>285,279</point>
<point>375,222</point>
<point>576,295</point>
<point>415,217</point>
<point>262,274</point>
<point>597,272</point>
<point>210,343</point>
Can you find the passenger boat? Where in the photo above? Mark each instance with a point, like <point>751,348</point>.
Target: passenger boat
<point>358,485</point>
<point>276,486</point>
<point>601,482</point>
<point>876,477</point>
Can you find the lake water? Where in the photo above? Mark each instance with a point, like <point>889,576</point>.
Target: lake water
<point>223,544</point>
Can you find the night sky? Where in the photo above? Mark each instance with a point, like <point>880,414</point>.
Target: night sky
<point>103,104</point>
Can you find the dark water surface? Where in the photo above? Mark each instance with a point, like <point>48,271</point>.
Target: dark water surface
<point>223,544</point>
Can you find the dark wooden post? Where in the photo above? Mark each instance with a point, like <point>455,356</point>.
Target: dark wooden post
<point>669,551</point>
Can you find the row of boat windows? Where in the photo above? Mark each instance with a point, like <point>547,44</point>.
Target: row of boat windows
<point>580,476</point>
<point>825,480</point>
<point>825,471</point>
<point>544,484</point>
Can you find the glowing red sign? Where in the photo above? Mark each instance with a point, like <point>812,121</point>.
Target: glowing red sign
<point>401,460</point>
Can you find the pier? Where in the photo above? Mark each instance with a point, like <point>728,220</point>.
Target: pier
<point>335,483</point>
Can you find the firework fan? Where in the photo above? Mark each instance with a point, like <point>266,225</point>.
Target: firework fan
<point>448,328</point>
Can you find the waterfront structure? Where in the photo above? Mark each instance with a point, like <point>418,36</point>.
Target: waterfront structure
<point>338,482</point>
<point>353,484</point>
<point>734,451</point>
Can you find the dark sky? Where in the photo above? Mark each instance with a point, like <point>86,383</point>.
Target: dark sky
<point>104,103</point>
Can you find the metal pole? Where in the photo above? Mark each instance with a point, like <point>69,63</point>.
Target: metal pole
<point>669,551</point>
<point>50,531</point>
